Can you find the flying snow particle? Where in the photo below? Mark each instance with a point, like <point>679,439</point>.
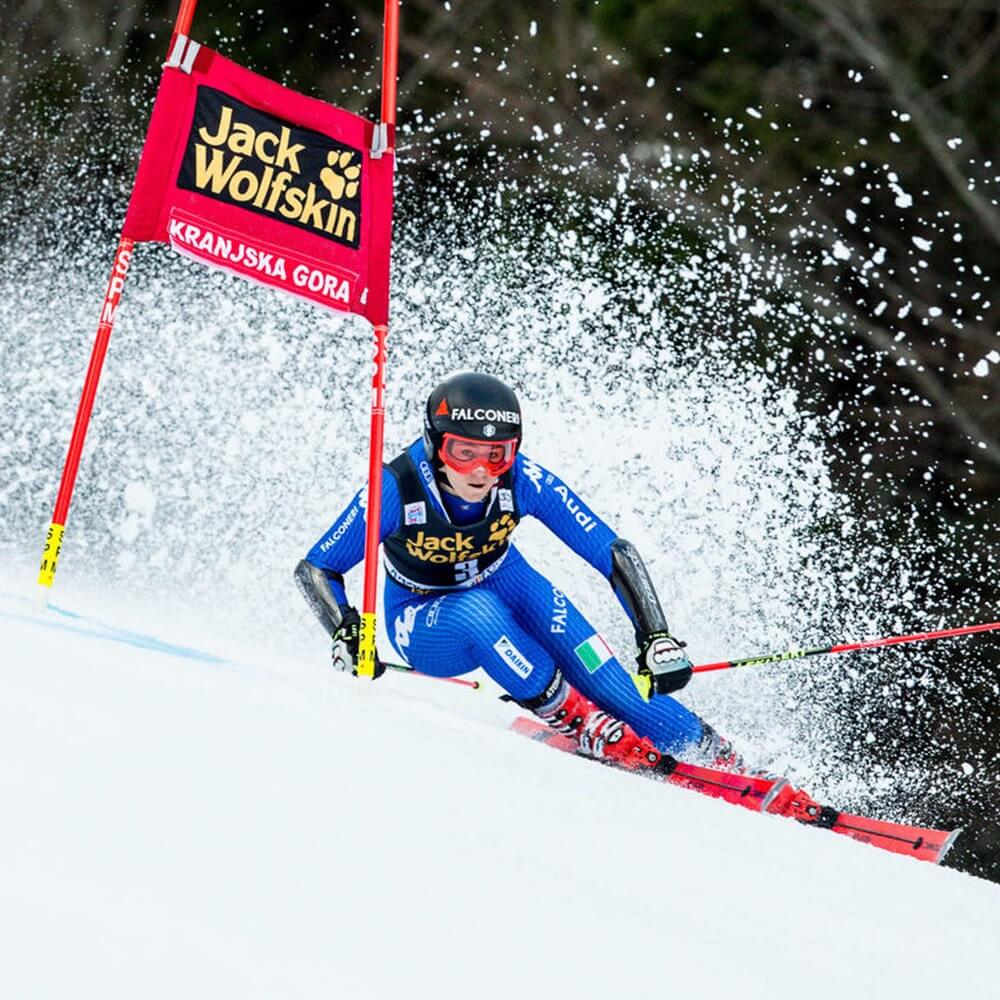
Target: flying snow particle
<point>841,252</point>
<point>533,28</point>
<point>903,200</point>
<point>982,368</point>
<point>921,244</point>
<point>754,113</point>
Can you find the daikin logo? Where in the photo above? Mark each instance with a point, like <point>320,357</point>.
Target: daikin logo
<point>513,657</point>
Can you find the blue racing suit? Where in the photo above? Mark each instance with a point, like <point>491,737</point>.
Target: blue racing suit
<point>506,618</point>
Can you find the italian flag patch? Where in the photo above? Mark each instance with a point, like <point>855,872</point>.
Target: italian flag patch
<point>594,652</point>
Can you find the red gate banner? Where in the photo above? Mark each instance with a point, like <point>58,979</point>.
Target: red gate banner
<point>242,173</point>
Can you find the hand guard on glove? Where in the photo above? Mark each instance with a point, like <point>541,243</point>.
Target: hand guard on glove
<point>347,642</point>
<point>664,667</point>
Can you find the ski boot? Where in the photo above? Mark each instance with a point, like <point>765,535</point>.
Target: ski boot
<point>598,735</point>
<point>787,801</point>
<point>718,752</point>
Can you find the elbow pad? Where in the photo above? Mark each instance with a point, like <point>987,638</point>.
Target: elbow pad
<point>315,588</point>
<point>631,582</point>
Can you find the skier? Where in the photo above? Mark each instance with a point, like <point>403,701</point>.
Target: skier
<point>459,595</point>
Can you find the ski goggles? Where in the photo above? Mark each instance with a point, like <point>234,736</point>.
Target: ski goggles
<point>465,454</point>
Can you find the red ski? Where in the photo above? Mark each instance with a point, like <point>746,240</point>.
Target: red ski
<point>759,794</point>
<point>918,842</point>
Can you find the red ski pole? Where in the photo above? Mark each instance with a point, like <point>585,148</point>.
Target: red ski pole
<point>461,681</point>
<point>847,647</point>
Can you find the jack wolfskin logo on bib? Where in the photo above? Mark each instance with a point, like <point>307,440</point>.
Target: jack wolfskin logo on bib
<point>448,548</point>
<point>459,547</point>
<point>248,158</point>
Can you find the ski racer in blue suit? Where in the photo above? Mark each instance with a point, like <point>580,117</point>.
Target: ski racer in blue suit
<point>459,595</point>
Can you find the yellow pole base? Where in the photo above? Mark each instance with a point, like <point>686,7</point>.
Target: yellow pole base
<point>50,555</point>
<point>366,645</point>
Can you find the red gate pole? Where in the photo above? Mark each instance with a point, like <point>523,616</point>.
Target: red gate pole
<point>185,15</point>
<point>373,509</point>
<point>109,309</point>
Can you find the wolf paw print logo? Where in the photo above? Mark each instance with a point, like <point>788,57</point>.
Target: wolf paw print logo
<point>502,528</point>
<point>341,176</point>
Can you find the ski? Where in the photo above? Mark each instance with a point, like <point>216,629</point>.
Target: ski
<point>751,792</point>
<point>758,793</point>
<point>922,843</point>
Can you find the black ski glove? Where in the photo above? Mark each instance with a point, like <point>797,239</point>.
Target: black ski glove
<point>664,667</point>
<point>346,642</point>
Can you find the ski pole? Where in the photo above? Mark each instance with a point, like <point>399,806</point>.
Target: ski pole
<point>848,647</point>
<point>404,669</point>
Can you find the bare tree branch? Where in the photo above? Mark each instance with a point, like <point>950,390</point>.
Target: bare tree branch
<point>923,109</point>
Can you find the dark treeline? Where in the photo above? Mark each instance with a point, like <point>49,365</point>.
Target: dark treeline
<point>861,133</point>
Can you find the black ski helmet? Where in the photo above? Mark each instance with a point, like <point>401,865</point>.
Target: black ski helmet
<point>471,405</point>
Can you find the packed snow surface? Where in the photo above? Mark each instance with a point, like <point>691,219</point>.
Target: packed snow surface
<point>187,816</point>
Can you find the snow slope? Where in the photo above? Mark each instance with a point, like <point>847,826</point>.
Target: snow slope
<point>186,817</point>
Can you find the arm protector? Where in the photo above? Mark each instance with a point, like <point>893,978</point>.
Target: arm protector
<point>315,588</point>
<point>635,589</point>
